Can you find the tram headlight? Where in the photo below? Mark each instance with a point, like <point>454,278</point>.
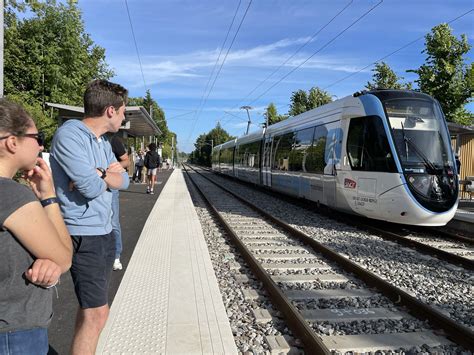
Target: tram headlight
<point>421,183</point>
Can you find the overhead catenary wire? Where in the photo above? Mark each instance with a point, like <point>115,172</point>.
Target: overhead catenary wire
<point>296,52</point>
<point>385,56</point>
<point>318,50</point>
<point>392,53</point>
<point>220,68</point>
<point>136,46</point>
<point>219,56</point>
<point>182,114</point>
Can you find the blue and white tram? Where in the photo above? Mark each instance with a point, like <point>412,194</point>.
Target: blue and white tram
<point>383,154</point>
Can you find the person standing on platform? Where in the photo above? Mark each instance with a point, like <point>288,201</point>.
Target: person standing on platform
<point>85,170</point>
<point>152,160</point>
<point>35,246</point>
<point>122,157</point>
<point>458,163</point>
<point>139,164</point>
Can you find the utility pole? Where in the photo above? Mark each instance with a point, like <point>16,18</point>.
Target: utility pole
<point>247,108</point>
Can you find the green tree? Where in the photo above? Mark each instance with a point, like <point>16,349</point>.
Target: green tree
<point>445,75</point>
<point>299,101</point>
<point>385,78</point>
<point>317,97</point>
<point>158,115</point>
<point>205,142</point>
<point>48,56</point>
<point>271,115</point>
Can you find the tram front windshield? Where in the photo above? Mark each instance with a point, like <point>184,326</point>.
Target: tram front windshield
<point>423,147</point>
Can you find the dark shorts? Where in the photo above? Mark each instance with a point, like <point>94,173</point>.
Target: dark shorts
<point>91,267</point>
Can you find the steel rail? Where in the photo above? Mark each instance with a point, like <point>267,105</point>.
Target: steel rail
<point>391,236</point>
<point>451,235</point>
<point>298,325</point>
<point>461,334</point>
<point>422,247</point>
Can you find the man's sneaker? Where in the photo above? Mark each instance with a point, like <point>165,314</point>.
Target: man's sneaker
<point>147,190</point>
<point>151,192</point>
<point>117,265</point>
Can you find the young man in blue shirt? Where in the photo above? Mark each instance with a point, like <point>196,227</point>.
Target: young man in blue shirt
<point>85,170</point>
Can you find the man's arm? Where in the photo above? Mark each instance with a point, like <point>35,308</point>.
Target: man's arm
<point>69,152</point>
<point>124,160</point>
<point>116,177</point>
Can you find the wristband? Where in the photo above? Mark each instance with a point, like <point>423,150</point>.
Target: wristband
<point>57,281</point>
<point>49,201</point>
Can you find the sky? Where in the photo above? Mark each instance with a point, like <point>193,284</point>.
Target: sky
<point>273,48</point>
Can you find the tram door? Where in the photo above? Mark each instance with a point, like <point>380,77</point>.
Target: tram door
<point>332,158</point>
<point>267,164</point>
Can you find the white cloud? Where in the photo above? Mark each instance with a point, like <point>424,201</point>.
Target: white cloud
<point>198,65</point>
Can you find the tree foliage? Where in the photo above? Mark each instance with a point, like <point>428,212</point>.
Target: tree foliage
<point>445,75</point>
<point>48,56</point>
<point>385,78</point>
<point>158,115</point>
<point>271,115</point>
<point>203,147</point>
<point>317,97</point>
<point>302,101</point>
<point>299,101</point>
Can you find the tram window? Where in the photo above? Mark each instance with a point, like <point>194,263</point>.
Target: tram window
<point>303,140</point>
<point>315,156</point>
<point>226,156</point>
<point>249,154</point>
<point>367,145</point>
<point>282,145</point>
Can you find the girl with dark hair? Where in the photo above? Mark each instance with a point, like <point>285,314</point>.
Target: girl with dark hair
<point>35,246</point>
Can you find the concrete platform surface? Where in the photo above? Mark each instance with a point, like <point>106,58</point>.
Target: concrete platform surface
<point>169,301</point>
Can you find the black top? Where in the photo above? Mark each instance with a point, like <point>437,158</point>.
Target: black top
<point>117,147</point>
<point>23,305</point>
<point>152,159</point>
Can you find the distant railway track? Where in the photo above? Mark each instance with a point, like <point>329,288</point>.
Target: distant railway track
<point>265,241</point>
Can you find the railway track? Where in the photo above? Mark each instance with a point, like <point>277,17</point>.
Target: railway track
<point>445,245</point>
<point>282,257</point>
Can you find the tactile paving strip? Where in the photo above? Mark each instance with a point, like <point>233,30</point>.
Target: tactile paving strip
<point>169,301</point>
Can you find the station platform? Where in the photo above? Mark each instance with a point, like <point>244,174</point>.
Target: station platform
<point>168,300</point>
<point>463,221</point>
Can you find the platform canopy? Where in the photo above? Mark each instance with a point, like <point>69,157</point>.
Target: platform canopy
<point>139,121</point>
<point>455,128</point>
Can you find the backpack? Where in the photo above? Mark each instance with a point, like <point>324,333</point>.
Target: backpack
<point>151,160</point>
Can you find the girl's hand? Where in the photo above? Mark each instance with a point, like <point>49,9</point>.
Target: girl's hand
<point>41,180</point>
<point>44,273</point>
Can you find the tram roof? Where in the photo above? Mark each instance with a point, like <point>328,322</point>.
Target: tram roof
<point>139,122</point>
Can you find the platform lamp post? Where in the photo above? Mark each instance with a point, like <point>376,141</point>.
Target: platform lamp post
<point>247,108</point>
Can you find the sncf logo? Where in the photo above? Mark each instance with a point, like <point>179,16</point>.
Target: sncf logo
<point>349,184</point>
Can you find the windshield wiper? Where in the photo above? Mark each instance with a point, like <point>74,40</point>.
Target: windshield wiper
<point>407,141</point>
